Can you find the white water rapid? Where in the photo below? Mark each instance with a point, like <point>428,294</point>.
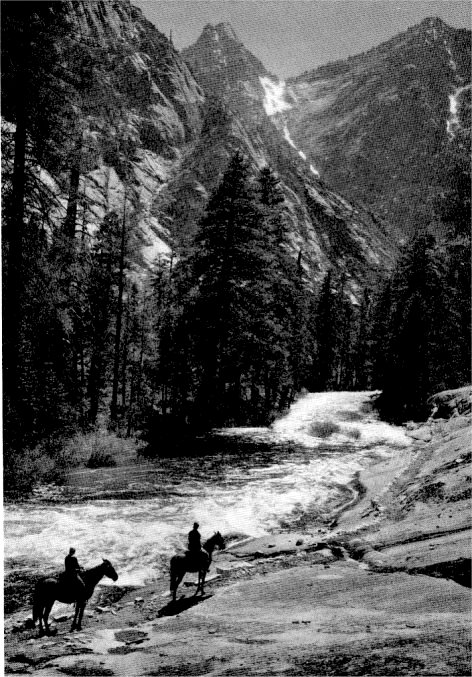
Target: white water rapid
<point>303,464</point>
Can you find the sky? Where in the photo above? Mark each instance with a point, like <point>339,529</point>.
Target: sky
<point>292,36</point>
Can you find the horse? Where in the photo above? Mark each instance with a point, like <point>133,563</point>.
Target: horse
<point>181,564</point>
<point>49,590</point>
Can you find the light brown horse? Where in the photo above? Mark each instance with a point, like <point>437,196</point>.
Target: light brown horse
<point>181,564</point>
<point>49,590</point>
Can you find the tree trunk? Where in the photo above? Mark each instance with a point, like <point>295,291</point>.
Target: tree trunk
<point>71,215</point>
<point>12,311</point>
<point>119,319</point>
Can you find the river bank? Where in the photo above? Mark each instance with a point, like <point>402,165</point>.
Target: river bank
<point>377,591</point>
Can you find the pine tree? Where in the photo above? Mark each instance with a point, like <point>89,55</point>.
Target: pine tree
<point>421,351</point>
<point>29,101</point>
<point>325,336</point>
<point>240,307</point>
<point>226,265</point>
<point>453,209</point>
<point>102,307</point>
<point>362,348</point>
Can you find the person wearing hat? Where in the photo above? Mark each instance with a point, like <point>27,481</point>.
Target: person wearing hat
<point>72,573</point>
<point>194,540</point>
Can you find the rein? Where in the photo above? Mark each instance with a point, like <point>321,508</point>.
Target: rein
<point>92,576</point>
<point>210,544</point>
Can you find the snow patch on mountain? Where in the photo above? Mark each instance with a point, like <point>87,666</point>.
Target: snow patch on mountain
<point>274,103</point>
<point>453,123</point>
<point>274,96</point>
<point>288,137</point>
<point>452,63</point>
<point>300,152</point>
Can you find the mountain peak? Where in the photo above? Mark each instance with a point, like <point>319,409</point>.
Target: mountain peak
<point>225,29</point>
<point>433,22</point>
<point>222,31</point>
<point>221,63</point>
<point>432,26</point>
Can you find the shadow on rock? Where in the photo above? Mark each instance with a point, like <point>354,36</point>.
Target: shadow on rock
<point>182,604</point>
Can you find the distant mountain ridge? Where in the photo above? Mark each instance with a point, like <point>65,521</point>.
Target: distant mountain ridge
<point>179,124</point>
<point>338,233</point>
<point>386,127</point>
<point>381,128</point>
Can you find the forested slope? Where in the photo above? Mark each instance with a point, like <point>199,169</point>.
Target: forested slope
<point>171,259</point>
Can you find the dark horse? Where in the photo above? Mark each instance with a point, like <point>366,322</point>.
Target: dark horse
<point>49,590</point>
<point>181,564</point>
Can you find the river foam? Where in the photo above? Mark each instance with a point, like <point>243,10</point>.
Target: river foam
<point>296,468</point>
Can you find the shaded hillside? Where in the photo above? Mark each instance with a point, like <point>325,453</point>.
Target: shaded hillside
<point>132,106</point>
<point>387,127</point>
<point>136,104</point>
<point>325,227</point>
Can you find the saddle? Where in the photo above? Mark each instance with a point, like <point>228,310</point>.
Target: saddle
<point>72,588</point>
<point>196,559</point>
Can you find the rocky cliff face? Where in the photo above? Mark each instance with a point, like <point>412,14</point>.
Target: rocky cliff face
<point>251,117</point>
<point>136,108</point>
<point>226,69</point>
<point>177,125</point>
<point>386,127</point>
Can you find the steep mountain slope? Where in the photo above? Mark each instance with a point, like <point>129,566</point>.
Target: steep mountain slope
<point>244,103</point>
<point>136,106</point>
<point>387,126</point>
<point>147,130</point>
<point>226,69</point>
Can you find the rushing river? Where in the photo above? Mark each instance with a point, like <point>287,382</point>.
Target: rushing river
<point>269,479</point>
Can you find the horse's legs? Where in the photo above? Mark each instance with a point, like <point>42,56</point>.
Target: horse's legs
<point>47,610</point>
<point>175,582</point>
<point>76,613</point>
<point>81,614</point>
<point>201,581</point>
<point>204,573</point>
<point>40,619</point>
<point>178,582</point>
<point>173,586</point>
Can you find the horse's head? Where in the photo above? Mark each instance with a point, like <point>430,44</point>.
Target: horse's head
<point>109,571</point>
<point>220,541</point>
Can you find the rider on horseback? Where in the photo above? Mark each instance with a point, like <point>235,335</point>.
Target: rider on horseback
<point>72,572</point>
<point>194,540</point>
<point>194,544</point>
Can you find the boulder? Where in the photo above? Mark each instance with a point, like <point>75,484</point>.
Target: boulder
<point>451,402</point>
<point>421,434</point>
<point>61,617</point>
<point>458,423</point>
